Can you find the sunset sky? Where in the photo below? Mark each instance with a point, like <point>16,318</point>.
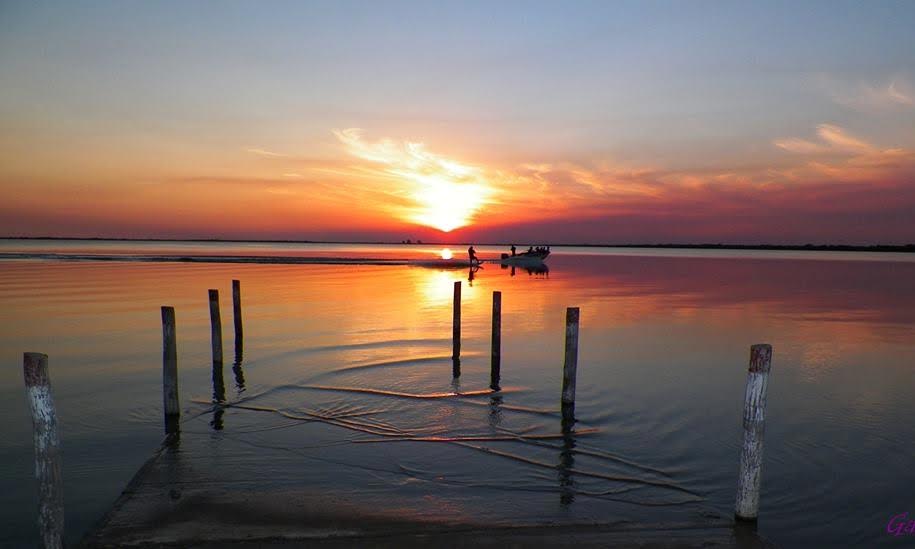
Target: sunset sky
<point>597,122</point>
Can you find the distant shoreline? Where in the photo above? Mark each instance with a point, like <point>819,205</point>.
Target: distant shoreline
<point>904,248</point>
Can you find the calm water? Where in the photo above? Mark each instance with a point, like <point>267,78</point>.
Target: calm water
<point>664,345</point>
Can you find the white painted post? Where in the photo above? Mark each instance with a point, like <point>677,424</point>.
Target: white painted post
<point>47,450</point>
<point>754,428</point>
<point>570,366</point>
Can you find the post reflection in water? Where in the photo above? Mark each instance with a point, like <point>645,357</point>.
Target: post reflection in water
<point>219,395</point>
<point>219,384</point>
<point>236,366</point>
<point>566,465</point>
<point>495,411</point>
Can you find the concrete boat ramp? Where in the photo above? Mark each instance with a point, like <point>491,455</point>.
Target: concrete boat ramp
<point>180,498</point>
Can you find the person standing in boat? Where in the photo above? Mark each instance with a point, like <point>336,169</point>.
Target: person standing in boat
<point>473,256</point>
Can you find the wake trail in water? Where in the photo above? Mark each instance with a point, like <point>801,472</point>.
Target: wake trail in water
<point>614,478</point>
<point>420,396</point>
<point>463,397</point>
<point>383,344</point>
<point>257,259</point>
<point>389,433</point>
<point>424,360</point>
<point>391,343</point>
<point>480,438</point>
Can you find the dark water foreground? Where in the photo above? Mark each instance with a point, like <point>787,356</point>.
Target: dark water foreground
<point>179,499</point>
<point>343,392</point>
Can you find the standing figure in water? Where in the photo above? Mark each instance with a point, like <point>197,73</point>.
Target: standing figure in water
<point>513,250</point>
<point>473,256</point>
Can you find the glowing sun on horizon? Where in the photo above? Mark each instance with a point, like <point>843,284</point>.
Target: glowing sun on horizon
<point>443,194</point>
<point>446,253</point>
<point>444,203</point>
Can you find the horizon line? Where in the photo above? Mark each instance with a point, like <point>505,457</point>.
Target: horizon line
<point>910,247</point>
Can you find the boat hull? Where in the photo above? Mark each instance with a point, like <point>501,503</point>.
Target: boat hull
<point>523,260</point>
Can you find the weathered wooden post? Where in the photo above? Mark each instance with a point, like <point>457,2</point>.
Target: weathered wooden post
<point>170,403</point>
<point>570,366</point>
<point>239,336</point>
<point>236,312</point>
<point>456,332</point>
<point>495,369</point>
<point>219,384</point>
<point>215,328</point>
<point>567,465</point>
<point>754,428</point>
<point>47,450</point>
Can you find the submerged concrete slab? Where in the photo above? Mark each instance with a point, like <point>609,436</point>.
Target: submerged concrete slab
<point>177,501</point>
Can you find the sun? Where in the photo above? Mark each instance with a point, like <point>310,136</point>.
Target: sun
<point>445,204</point>
<point>446,253</point>
<point>442,193</point>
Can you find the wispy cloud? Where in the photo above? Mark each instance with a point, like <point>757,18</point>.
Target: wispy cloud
<point>264,152</point>
<point>833,140</point>
<point>839,139</point>
<point>840,156</point>
<point>901,92</point>
<point>892,93</point>
<point>801,146</point>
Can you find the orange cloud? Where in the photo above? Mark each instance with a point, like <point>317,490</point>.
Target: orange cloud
<point>839,139</point>
<point>834,140</point>
<point>854,159</point>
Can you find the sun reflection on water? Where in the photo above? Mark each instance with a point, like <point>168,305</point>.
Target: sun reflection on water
<point>436,288</point>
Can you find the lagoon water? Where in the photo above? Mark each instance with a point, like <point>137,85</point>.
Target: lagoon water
<point>362,352</point>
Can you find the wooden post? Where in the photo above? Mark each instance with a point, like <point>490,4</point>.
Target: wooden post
<point>754,428</point>
<point>570,366</point>
<point>47,450</point>
<point>215,328</point>
<point>566,466</point>
<point>239,337</point>
<point>236,311</point>
<point>495,370</point>
<point>456,332</point>
<point>170,403</point>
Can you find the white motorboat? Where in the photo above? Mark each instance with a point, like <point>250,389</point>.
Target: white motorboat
<point>525,259</point>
